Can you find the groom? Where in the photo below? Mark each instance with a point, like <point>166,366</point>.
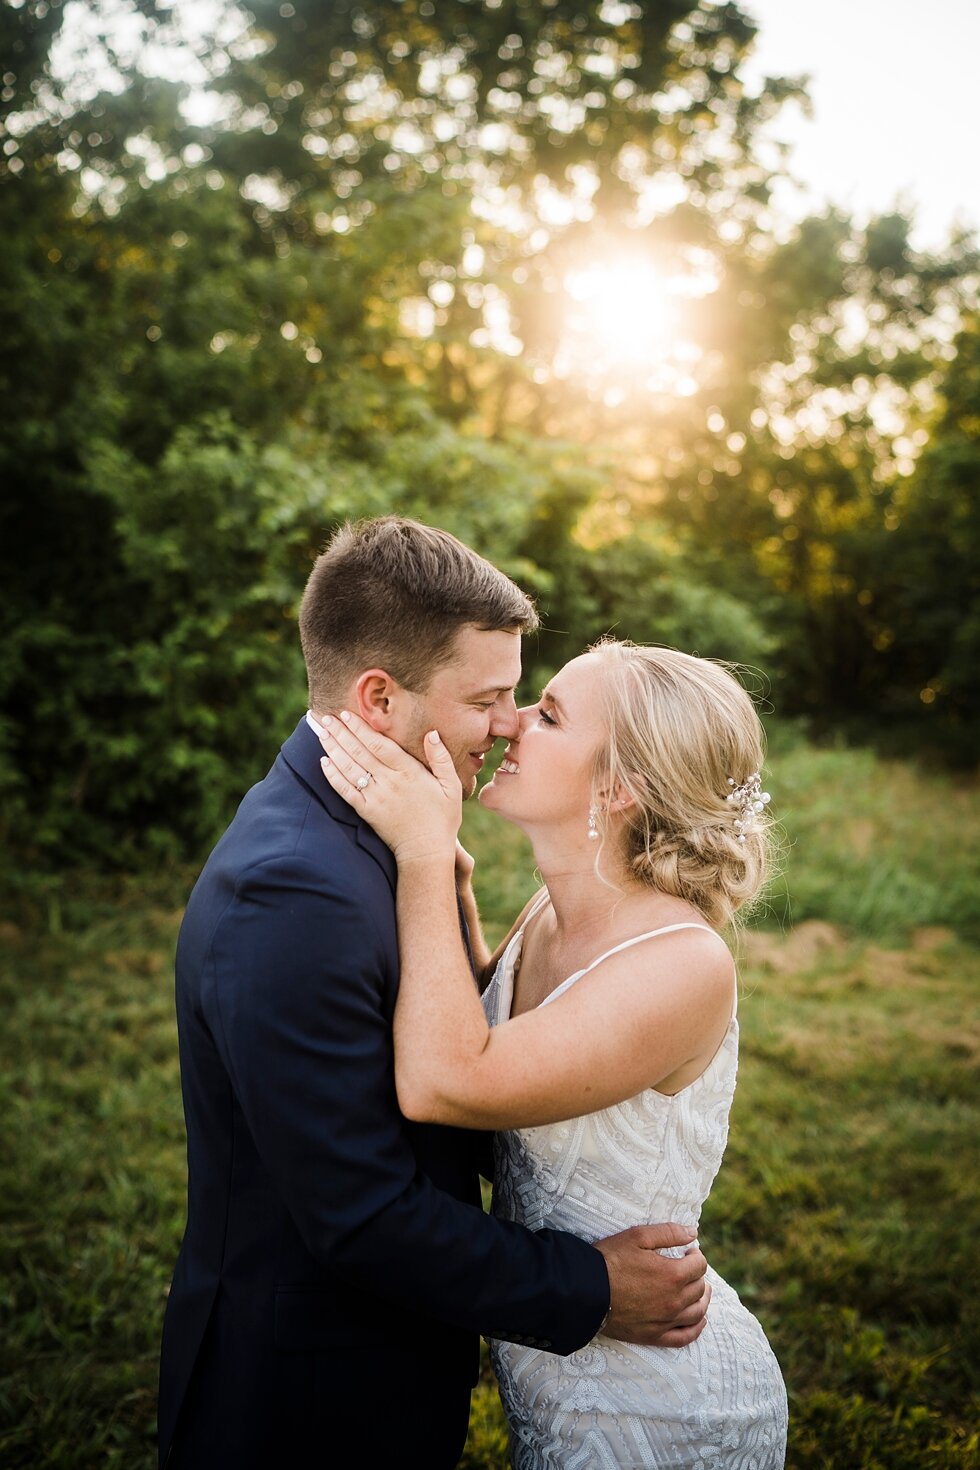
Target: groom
<point>337,1268</point>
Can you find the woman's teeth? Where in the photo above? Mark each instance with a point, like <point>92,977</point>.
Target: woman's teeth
<point>508,768</point>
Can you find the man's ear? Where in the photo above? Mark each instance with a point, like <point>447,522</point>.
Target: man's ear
<point>376,698</point>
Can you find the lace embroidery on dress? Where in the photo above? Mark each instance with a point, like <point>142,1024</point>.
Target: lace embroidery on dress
<point>721,1401</point>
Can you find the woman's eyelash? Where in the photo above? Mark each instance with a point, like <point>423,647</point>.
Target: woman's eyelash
<point>546,717</point>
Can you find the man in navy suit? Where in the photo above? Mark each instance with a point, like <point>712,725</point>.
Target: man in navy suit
<point>337,1268</point>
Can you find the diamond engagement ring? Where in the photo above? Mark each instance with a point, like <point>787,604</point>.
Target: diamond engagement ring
<point>362,781</point>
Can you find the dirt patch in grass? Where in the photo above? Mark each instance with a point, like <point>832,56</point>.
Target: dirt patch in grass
<point>833,1004</point>
<point>799,949</point>
<point>932,937</point>
<point>811,944</point>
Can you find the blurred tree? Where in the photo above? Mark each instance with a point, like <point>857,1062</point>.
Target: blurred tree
<point>548,122</point>
<point>925,602</point>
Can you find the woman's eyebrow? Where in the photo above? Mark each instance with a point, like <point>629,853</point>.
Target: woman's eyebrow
<point>547,694</point>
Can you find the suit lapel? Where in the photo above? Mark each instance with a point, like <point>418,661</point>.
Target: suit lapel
<point>302,752</point>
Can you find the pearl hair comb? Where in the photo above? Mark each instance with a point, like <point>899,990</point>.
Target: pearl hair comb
<point>749,800</point>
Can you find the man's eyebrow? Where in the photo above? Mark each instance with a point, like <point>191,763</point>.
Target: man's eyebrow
<point>493,689</point>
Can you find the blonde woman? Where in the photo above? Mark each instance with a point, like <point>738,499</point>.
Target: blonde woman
<point>604,1050</point>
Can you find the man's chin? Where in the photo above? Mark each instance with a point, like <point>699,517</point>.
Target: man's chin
<point>468,783</point>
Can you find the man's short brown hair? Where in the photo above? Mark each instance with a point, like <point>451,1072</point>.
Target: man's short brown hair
<point>391,593</point>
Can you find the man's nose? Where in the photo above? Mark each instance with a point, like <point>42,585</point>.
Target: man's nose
<point>524,718</point>
<point>504,719</point>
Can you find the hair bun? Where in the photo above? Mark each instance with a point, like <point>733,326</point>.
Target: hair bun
<point>678,726</point>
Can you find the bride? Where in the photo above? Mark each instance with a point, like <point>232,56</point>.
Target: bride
<point>605,1048</point>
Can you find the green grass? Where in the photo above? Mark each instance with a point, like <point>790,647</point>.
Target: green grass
<point>846,1213</point>
<point>881,847</point>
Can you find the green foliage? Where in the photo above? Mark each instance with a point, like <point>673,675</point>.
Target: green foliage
<point>927,602</point>
<point>643,589</point>
<point>511,65</point>
<point>130,700</point>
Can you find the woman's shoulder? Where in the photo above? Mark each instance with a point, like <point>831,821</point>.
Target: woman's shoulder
<point>655,913</point>
<point>661,930</point>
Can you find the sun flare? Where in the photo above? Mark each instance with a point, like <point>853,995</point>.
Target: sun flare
<point>627,311</point>
<point>625,321</point>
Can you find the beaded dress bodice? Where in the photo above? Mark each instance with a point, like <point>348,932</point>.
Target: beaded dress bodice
<point>719,1402</point>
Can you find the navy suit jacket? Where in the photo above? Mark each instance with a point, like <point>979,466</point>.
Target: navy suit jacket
<point>333,1249</point>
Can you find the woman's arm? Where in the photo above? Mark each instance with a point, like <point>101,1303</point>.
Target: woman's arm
<point>643,1015</point>
<point>478,945</point>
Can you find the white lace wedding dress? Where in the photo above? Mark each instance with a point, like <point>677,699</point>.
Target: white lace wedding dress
<point>719,1402</point>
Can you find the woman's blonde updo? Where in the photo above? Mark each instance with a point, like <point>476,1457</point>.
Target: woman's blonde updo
<point>679,729</point>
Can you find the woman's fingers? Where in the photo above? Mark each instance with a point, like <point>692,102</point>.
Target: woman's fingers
<point>338,780</point>
<point>412,809</point>
<point>362,752</point>
<point>357,776</point>
<point>362,744</point>
<point>371,767</point>
<point>441,764</point>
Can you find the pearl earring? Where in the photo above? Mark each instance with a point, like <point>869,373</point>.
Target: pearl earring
<point>593,829</point>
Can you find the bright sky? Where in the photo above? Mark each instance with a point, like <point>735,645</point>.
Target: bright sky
<point>895,99</point>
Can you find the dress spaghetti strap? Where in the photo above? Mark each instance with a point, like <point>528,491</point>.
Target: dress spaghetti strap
<point>573,979</point>
<point>638,939</point>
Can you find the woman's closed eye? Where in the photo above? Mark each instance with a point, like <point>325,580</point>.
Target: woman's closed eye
<point>544,715</point>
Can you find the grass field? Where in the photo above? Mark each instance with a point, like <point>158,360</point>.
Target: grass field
<point>846,1213</point>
